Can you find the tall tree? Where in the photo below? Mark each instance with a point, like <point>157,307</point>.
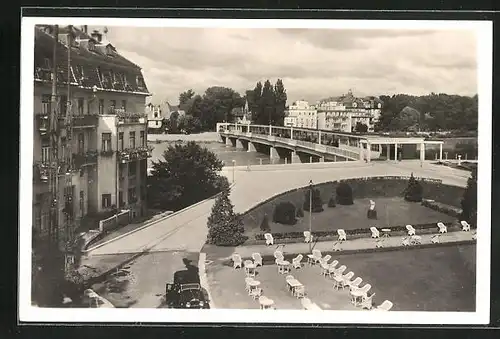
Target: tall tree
<point>256,104</point>
<point>469,200</point>
<point>267,104</point>
<point>280,102</point>
<point>185,96</point>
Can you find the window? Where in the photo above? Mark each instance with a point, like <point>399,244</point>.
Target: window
<point>132,140</point>
<point>80,106</point>
<point>63,148</point>
<point>46,103</point>
<point>106,200</point>
<point>140,82</point>
<point>91,46</point>
<point>45,150</point>
<point>82,206</point>
<point>120,199</point>
<point>156,114</point>
<point>63,104</point>
<point>81,143</point>
<point>101,106</point>
<point>79,71</point>
<point>113,104</point>
<point>106,142</point>
<point>141,139</point>
<point>120,141</point>
<point>124,105</point>
<point>132,169</point>
<point>132,195</point>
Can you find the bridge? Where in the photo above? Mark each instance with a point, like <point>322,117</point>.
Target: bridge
<point>299,145</point>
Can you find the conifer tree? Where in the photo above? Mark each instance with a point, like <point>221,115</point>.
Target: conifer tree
<point>414,191</point>
<point>469,200</point>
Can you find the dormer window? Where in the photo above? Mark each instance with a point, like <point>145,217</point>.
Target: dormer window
<point>140,82</point>
<point>91,46</point>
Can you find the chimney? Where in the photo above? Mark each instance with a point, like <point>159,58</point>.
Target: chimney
<point>84,29</point>
<point>96,35</point>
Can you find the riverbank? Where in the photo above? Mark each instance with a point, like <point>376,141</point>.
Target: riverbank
<point>200,137</point>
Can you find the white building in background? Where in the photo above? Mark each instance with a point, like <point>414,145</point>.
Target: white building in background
<point>301,114</point>
<point>344,112</point>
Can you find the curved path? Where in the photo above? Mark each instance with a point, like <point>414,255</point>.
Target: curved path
<point>187,231</point>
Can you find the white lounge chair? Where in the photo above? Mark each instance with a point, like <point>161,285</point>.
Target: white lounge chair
<point>359,293</point>
<point>411,230</point>
<point>236,261</point>
<point>465,226</point>
<point>338,282</point>
<point>375,232</point>
<point>336,247</point>
<point>385,306</point>
<point>415,240</point>
<point>340,270</point>
<point>367,303</point>
<point>346,278</point>
<point>405,241</point>
<point>288,278</point>
<point>442,227</point>
<point>308,237</point>
<point>379,243</point>
<point>269,239</point>
<point>325,269</point>
<point>248,280</point>
<point>325,259</point>
<point>435,239</point>
<point>342,235</point>
<point>354,283</point>
<point>256,292</point>
<point>257,259</point>
<point>314,257</point>
<point>474,236</point>
<point>296,262</point>
<point>278,255</point>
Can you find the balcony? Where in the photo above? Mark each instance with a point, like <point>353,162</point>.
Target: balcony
<point>85,158</point>
<point>40,172</point>
<point>125,117</point>
<point>107,153</point>
<point>85,121</point>
<point>133,154</point>
<point>42,122</point>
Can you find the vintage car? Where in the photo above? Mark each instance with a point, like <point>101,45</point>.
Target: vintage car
<point>185,295</point>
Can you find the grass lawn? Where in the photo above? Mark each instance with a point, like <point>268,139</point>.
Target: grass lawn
<point>432,279</point>
<point>390,211</point>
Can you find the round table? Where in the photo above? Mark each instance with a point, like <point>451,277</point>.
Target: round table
<point>266,303</point>
<point>284,266</point>
<point>386,232</point>
<point>250,269</point>
<point>254,283</point>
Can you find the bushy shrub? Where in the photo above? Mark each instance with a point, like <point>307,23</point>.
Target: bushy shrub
<point>264,225</point>
<point>331,202</point>
<point>284,213</point>
<point>300,213</point>
<point>225,228</point>
<point>414,191</point>
<point>469,200</point>
<point>317,203</point>
<point>344,194</point>
<point>443,208</point>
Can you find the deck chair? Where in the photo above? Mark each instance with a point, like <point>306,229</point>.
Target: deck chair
<point>314,257</point>
<point>256,292</point>
<point>346,278</point>
<point>405,241</point>
<point>342,235</point>
<point>442,227</point>
<point>365,289</point>
<point>296,262</point>
<point>236,261</point>
<point>411,230</point>
<point>415,240</point>
<point>340,270</point>
<point>308,237</point>
<point>257,259</point>
<point>385,306</point>
<point>278,255</point>
<point>336,247</point>
<point>269,239</point>
<point>474,236</point>
<point>435,239</point>
<point>325,259</point>
<point>338,282</point>
<point>465,226</point>
<point>287,278</point>
<point>353,283</point>
<point>375,232</point>
<point>325,268</point>
<point>248,280</point>
<point>367,303</point>
<point>379,243</point>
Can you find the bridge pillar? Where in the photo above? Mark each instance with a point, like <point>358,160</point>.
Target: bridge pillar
<point>319,137</point>
<point>321,159</point>
<point>291,133</point>
<point>251,147</point>
<point>334,158</point>
<point>228,142</point>
<point>440,152</point>
<point>368,152</point>
<point>361,151</point>
<point>422,152</point>
<point>239,144</point>
<point>273,153</point>
<point>396,152</point>
<point>295,158</point>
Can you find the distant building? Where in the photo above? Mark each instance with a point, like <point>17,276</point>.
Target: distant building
<point>155,118</point>
<point>242,115</point>
<point>301,114</point>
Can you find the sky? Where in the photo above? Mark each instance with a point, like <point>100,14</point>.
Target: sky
<point>313,63</point>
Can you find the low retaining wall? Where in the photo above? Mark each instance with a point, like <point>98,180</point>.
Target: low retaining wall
<point>112,223</point>
<point>309,165</point>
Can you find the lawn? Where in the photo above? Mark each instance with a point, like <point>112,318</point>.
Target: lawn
<point>390,211</point>
<point>432,279</point>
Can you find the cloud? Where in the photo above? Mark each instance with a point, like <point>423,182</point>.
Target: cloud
<point>313,63</point>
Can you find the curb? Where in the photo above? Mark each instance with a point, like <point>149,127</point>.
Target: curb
<point>202,272</point>
<point>86,251</point>
<point>291,167</point>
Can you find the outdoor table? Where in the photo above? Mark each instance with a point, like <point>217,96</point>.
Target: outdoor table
<point>266,303</point>
<point>294,283</point>
<point>386,232</point>
<point>253,284</point>
<point>356,293</point>
<point>283,267</point>
<point>250,269</point>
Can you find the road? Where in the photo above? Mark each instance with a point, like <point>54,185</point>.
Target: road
<point>187,231</point>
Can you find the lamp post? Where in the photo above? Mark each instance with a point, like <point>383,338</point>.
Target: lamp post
<point>234,163</point>
<point>310,211</point>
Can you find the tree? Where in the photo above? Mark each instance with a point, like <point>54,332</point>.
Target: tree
<point>184,98</point>
<point>217,104</point>
<point>360,127</point>
<point>267,104</point>
<point>225,228</point>
<point>469,200</point>
<point>317,203</point>
<point>284,213</point>
<point>172,123</point>
<point>344,194</point>
<point>264,225</point>
<point>414,191</point>
<point>187,174</point>
<point>280,103</point>
<point>256,103</point>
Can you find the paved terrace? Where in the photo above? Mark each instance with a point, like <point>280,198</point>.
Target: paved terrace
<point>186,231</point>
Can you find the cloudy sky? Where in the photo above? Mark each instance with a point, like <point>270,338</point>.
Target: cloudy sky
<point>313,63</point>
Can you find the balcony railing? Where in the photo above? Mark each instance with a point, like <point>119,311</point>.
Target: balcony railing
<point>107,153</point>
<point>87,120</point>
<point>125,117</point>
<point>85,158</point>
<point>132,154</point>
<point>40,172</point>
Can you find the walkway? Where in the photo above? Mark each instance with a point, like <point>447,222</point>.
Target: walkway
<point>187,231</point>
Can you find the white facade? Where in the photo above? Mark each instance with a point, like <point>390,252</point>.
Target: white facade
<point>301,114</point>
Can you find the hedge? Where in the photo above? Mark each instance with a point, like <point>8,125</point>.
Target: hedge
<point>443,208</point>
<point>284,213</point>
